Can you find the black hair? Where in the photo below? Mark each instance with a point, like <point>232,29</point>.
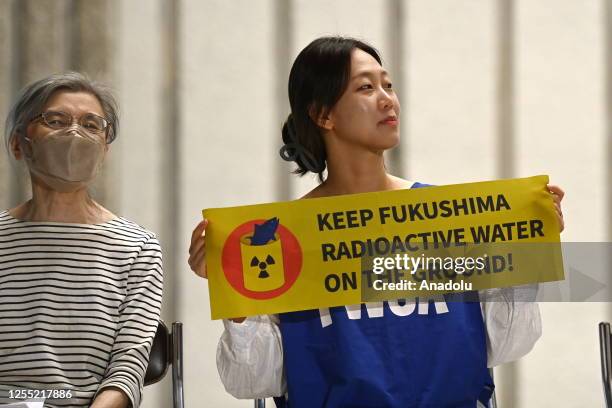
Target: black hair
<point>319,76</point>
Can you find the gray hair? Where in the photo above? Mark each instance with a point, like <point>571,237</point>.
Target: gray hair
<point>33,98</point>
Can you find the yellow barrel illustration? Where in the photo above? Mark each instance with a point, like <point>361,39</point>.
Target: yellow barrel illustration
<point>262,265</point>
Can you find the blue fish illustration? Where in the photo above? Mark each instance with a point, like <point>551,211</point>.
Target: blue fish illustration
<point>264,233</point>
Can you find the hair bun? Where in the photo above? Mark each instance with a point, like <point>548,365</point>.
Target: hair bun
<point>293,151</point>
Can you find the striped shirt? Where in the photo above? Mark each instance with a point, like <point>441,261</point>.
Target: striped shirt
<point>79,307</point>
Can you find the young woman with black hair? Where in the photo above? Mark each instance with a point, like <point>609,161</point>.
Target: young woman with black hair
<point>344,115</point>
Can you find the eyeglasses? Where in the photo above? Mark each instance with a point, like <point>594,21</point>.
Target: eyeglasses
<point>61,120</point>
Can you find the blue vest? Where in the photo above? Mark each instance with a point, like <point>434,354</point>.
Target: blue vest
<point>413,353</point>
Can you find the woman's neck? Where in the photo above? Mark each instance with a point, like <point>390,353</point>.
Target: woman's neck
<point>358,172</point>
<point>74,207</point>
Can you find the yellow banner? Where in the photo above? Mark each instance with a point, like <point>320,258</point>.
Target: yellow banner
<point>343,250</point>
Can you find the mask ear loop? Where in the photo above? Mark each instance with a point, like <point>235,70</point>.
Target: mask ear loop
<point>294,151</point>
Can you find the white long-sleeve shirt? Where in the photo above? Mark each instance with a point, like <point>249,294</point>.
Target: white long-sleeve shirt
<point>250,354</point>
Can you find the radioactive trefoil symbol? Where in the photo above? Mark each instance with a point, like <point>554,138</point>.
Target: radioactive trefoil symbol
<point>261,252</point>
<point>263,266</point>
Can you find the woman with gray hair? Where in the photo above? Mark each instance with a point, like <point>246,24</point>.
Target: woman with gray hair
<point>80,287</point>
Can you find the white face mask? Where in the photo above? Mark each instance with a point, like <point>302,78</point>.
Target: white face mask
<point>66,159</point>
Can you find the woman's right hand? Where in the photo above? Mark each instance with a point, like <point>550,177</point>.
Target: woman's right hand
<point>197,255</point>
<point>197,249</point>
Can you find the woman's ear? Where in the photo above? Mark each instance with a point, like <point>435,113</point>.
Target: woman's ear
<point>15,147</point>
<point>321,119</point>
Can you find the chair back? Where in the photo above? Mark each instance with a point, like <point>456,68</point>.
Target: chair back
<point>167,349</point>
<point>160,355</point>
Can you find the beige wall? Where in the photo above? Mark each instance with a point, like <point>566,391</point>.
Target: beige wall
<point>202,88</point>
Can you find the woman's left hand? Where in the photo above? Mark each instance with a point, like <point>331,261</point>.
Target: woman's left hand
<point>111,397</point>
<point>557,196</point>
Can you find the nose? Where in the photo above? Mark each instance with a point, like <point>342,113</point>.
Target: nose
<point>385,101</point>
<point>74,128</point>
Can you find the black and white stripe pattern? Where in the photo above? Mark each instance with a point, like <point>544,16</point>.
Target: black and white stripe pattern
<point>79,306</point>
